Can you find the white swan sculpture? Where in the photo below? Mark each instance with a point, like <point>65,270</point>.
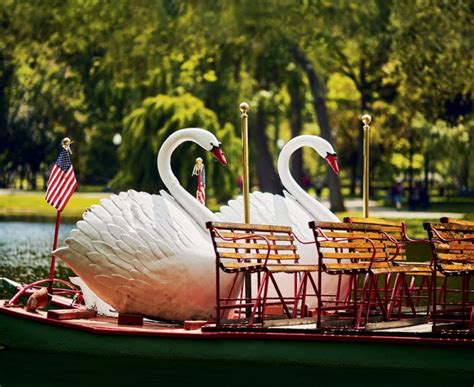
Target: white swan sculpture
<point>296,209</point>
<point>150,254</point>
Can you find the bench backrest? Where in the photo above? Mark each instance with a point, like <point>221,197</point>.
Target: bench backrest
<point>252,243</point>
<point>460,222</point>
<point>452,246</point>
<point>395,229</point>
<point>347,243</point>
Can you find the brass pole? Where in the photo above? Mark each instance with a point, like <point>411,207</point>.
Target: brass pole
<point>244,121</point>
<point>244,125</point>
<point>366,119</point>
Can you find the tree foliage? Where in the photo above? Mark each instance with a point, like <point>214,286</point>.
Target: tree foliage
<point>90,69</point>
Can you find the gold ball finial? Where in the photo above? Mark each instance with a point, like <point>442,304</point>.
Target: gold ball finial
<point>366,119</point>
<point>244,107</point>
<point>67,144</point>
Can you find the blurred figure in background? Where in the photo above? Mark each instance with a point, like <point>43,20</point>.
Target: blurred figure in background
<point>396,192</point>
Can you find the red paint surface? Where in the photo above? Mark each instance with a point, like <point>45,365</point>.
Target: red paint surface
<point>88,326</point>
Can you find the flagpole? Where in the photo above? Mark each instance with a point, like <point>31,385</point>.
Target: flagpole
<point>53,257</point>
<point>244,122</point>
<point>366,119</point>
<point>244,108</point>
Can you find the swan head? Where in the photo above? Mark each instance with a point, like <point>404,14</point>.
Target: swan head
<point>331,159</point>
<point>327,152</point>
<point>209,142</point>
<point>219,155</point>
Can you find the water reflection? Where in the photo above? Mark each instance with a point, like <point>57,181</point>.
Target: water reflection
<point>25,250</point>
<point>47,369</point>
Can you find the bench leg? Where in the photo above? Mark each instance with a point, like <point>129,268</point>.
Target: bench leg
<point>258,299</point>
<point>280,296</point>
<point>360,304</point>
<point>300,294</point>
<point>471,322</point>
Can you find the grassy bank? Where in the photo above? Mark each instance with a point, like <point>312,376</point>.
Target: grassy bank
<point>32,205</point>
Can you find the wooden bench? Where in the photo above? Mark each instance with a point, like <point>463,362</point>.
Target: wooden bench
<point>261,250</point>
<point>452,246</point>
<point>420,279</point>
<point>396,230</point>
<point>362,251</point>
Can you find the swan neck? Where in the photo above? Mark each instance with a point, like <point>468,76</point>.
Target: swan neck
<point>310,204</point>
<point>286,177</point>
<point>200,213</point>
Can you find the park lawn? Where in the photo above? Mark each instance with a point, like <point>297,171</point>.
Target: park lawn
<point>33,204</point>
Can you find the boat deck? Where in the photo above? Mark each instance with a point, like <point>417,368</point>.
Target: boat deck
<point>103,325</point>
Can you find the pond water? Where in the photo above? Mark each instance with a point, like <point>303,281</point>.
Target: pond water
<point>25,250</point>
<point>33,369</point>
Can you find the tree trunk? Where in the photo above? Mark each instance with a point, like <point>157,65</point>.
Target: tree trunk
<point>319,105</point>
<point>296,123</point>
<point>411,153</point>
<point>466,161</point>
<point>268,179</point>
<point>353,184</point>
<point>427,171</point>
<point>364,103</point>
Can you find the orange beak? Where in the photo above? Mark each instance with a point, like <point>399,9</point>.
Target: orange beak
<point>217,152</point>
<point>332,161</point>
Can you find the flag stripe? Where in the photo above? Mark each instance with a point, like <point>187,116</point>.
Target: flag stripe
<point>55,175</point>
<point>56,180</point>
<point>60,186</point>
<point>64,190</point>
<point>68,195</point>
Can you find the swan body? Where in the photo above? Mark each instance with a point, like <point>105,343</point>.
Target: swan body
<point>150,254</point>
<point>296,209</point>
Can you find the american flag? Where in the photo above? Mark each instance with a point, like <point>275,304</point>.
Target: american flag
<point>62,181</point>
<point>201,188</point>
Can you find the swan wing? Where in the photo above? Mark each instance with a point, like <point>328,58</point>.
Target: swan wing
<point>141,253</point>
<point>262,209</point>
<point>315,209</point>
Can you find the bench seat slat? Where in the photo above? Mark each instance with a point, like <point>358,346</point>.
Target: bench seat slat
<point>251,227</point>
<point>259,246</point>
<point>254,256</point>
<point>456,257</point>
<point>360,244</point>
<point>230,235</point>
<point>457,268</point>
<point>353,255</point>
<point>348,234</point>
